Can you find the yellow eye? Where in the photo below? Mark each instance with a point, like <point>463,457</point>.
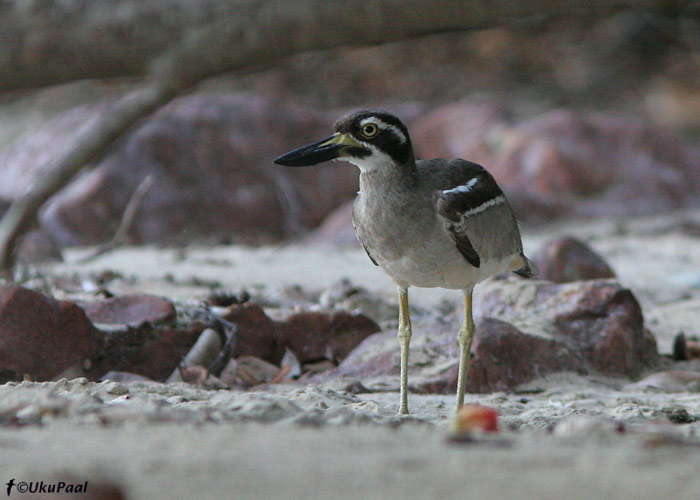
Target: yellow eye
<point>370,130</point>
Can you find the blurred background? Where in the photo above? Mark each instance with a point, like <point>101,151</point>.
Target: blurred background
<point>577,116</point>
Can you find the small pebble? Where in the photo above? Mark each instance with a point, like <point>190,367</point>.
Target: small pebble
<point>116,388</point>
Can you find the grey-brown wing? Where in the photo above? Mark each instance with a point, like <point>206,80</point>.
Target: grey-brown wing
<point>467,191</point>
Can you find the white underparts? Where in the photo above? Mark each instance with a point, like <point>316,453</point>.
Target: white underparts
<point>375,160</point>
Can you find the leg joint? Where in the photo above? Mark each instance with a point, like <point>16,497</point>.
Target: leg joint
<point>404,333</point>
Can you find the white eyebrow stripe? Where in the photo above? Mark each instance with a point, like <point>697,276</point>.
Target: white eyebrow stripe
<point>464,188</point>
<point>386,126</point>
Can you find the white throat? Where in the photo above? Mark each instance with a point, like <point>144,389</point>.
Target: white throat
<point>376,161</point>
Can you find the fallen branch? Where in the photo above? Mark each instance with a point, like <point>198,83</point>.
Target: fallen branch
<point>56,42</point>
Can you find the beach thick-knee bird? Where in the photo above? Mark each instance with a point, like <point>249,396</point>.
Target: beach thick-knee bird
<point>426,223</point>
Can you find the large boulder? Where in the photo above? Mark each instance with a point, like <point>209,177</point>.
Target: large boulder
<point>542,328</point>
<point>211,156</point>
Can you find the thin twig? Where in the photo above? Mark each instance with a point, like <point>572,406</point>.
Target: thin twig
<point>128,218</point>
<point>89,148</point>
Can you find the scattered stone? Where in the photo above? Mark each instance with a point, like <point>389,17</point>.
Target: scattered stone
<point>289,359</point>
<point>668,381</point>
<point>314,336</point>
<point>678,415</point>
<point>587,427</point>
<point>132,310</point>
<point>192,374</point>
<point>569,259</point>
<point>252,371</point>
<point>116,388</point>
<point>377,355</point>
<point>41,336</point>
<point>257,333</point>
<point>347,384</point>
<point>348,296</point>
<point>203,353</point>
<point>310,336</point>
<point>685,349</point>
<point>228,298</point>
<point>123,377</point>
<point>318,366</point>
<point>151,352</point>
<point>229,373</point>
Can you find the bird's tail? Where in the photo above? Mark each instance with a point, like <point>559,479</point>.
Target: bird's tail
<point>529,270</point>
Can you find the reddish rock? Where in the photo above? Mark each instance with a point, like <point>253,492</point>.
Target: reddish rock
<point>154,351</point>
<point>568,259</point>
<point>376,355</point>
<point>317,335</point>
<point>41,336</point>
<point>147,351</point>
<point>505,357</point>
<point>133,310</point>
<point>311,336</point>
<point>211,156</point>
<point>257,333</point>
<point>459,130</point>
<point>586,327</point>
<point>600,321</point>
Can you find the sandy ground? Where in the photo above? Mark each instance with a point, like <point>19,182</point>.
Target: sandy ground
<point>564,436</point>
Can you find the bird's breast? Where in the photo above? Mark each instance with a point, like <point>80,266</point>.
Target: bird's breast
<point>410,246</point>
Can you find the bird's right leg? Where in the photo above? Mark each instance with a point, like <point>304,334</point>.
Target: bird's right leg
<point>405,340</point>
<point>465,338</point>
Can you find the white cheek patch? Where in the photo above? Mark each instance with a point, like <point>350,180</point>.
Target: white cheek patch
<point>374,161</point>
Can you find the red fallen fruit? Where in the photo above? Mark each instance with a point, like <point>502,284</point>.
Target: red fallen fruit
<point>473,419</point>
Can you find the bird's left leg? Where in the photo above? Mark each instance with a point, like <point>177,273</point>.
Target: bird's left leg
<point>405,340</point>
<point>465,338</point>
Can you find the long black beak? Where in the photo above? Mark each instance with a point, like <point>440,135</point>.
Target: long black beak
<point>326,149</point>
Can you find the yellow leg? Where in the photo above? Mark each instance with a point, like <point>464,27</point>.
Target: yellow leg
<point>465,338</point>
<point>405,339</point>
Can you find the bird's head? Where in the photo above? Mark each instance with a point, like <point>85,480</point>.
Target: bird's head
<point>371,139</point>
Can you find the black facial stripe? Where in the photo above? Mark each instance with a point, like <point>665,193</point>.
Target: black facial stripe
<point>358,152</point>
<point>385,140</point>
<point>390,144</point>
